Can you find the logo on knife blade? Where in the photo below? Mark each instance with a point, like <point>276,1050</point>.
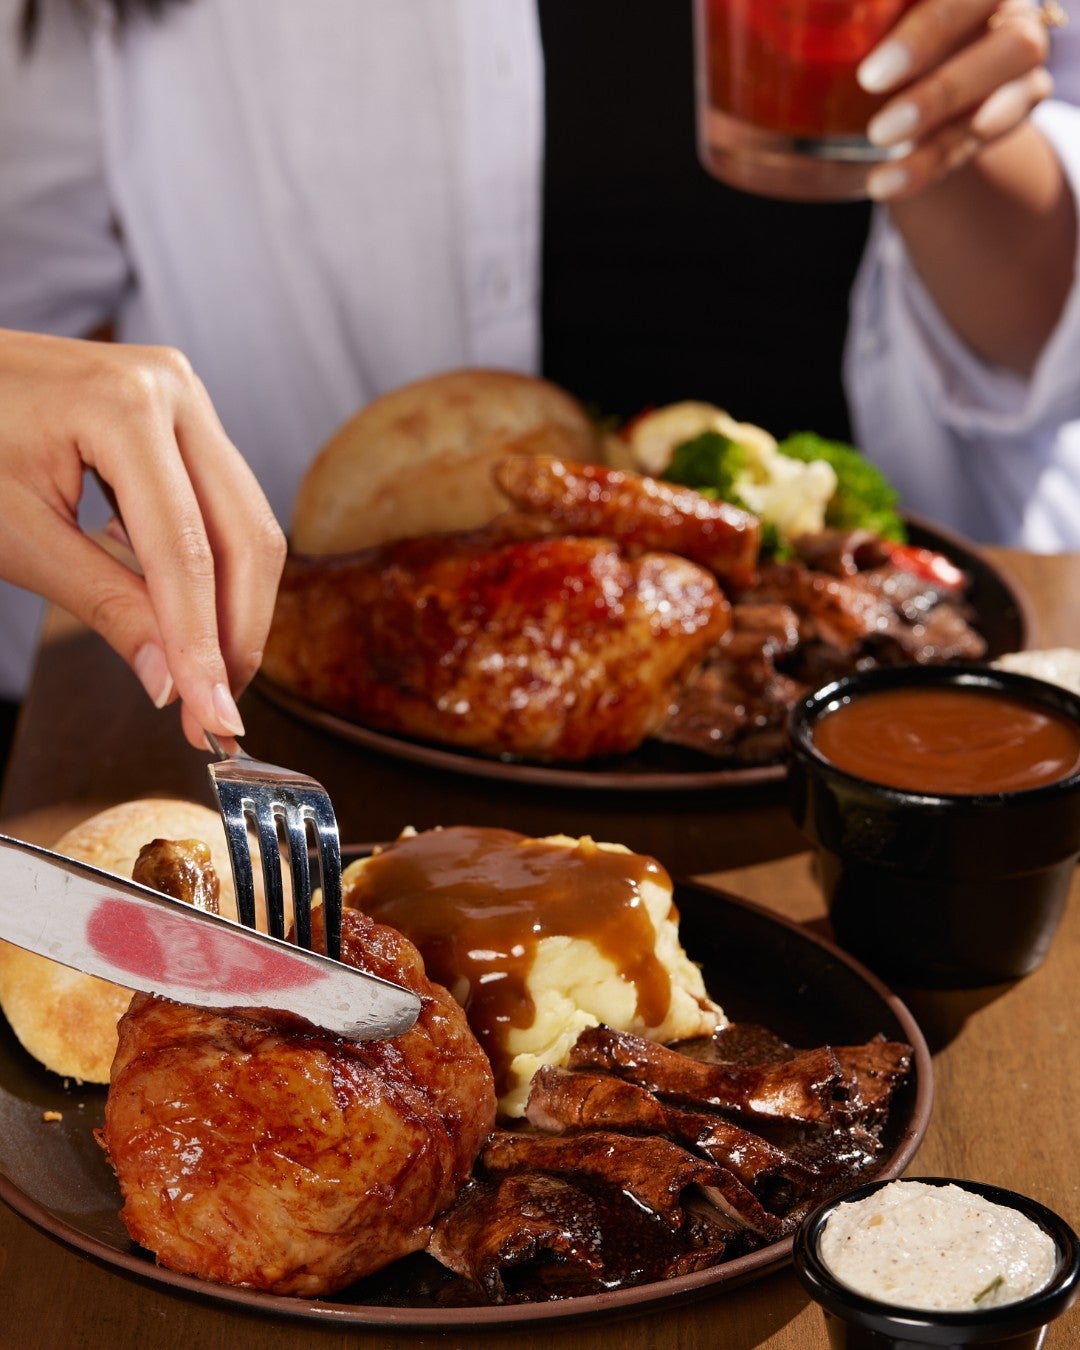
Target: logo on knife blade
<point>175,950</point>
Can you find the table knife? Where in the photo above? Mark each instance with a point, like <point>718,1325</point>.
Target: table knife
<point>141,939</point>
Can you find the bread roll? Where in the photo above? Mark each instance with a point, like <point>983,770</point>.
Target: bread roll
<point>418,460</point>
<point>65,1019</point>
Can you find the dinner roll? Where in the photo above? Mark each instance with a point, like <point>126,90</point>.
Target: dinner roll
<point>418,460</point>
<point>64,1018</point>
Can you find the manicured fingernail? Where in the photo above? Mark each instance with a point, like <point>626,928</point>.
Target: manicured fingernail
<point>227,711</point>
<point>885,67</point>
<point>151,667</point>
<point>893,124</point>
<point>114,528</point>
<point>886,182</point>
<point>1004,106</point>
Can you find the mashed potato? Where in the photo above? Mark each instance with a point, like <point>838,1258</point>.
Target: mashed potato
<point>539,939</point>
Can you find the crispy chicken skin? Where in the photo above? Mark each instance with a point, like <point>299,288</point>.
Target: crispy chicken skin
<point>509,642</point>
<point>640,513</point>
<point>279,1158</point>
<point>182,868</point>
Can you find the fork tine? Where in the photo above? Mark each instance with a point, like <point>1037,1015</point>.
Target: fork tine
<point>280,805</point>
<point>234,818</point>
<point>328,843</point>
<point>296,839</point>
<point>270,857</point>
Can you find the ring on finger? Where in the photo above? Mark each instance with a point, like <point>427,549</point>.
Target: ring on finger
<point>1050,13</point>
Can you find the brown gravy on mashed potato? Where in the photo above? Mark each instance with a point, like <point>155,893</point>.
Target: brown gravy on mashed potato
<point>479,902</point>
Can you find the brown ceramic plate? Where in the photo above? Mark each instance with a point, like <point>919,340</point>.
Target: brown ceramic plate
<point>760,967</point>
<point>1001,616</point>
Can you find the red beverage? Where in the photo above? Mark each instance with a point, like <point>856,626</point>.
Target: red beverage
<point>779,108</point>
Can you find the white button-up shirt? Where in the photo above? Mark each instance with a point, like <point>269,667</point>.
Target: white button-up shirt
<point>244,180</point>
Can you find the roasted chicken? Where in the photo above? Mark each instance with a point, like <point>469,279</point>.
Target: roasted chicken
<point>602,610</point>
<point>270,1155</point>
<point>509,641</point>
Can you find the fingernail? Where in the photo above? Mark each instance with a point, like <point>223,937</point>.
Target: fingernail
<point>886,66</point>
<point>227,711</point>
<point>114,528</point>
<point>886,182</point>
<point>1004,106</point>
<point>151,667</point>
<point>893,124</point>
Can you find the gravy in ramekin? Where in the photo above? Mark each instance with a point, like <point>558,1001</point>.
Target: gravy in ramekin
<point>949,740</point>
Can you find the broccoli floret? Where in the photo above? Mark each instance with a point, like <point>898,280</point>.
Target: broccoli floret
<point>864,498</point>
<point>711,462</point>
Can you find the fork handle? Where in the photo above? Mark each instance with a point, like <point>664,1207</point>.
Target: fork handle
<point>219,751</point>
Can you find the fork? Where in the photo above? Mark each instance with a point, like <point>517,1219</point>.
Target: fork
<point>279,805</point>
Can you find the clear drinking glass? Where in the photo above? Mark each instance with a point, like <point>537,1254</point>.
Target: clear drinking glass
<point>779,111</point>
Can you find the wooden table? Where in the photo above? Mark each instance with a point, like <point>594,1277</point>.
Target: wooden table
<point>1007,1059</point>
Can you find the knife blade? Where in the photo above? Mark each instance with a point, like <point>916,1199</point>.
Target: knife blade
<point>136,937</point>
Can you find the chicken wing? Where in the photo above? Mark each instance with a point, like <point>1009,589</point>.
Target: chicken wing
<point>639,513</point>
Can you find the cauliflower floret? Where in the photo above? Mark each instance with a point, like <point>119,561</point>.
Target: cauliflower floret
<point>650,440</point>
<point>792,496</point>
<point>789,494</point>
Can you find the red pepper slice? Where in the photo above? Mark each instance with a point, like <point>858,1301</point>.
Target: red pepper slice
<point>928,564</point>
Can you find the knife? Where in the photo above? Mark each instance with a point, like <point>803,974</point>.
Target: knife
<point>141,939</point>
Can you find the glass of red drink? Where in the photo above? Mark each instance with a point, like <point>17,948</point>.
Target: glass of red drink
<point>779,111</point>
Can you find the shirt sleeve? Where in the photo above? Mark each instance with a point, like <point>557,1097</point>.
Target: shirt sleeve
<point>897,331</point>
<point>63,266</point>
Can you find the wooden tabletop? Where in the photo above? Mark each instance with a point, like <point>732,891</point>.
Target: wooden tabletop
<point>1006,1059</point>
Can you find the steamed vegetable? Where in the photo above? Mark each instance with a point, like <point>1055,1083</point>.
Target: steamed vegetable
<point>713,463</point>
<point>864,498</point>
<point>789,498</point>
<point>802,485</point>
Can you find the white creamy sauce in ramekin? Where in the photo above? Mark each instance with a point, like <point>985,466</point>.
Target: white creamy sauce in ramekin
<point>939,1247</point>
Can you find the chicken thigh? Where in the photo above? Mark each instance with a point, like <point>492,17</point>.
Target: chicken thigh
<point>277,1157</point>
<point>509,641</point>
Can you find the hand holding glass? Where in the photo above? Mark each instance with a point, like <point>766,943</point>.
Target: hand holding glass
<point>779,109</point>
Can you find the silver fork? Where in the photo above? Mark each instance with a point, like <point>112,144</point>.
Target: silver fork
<point>279,805</point>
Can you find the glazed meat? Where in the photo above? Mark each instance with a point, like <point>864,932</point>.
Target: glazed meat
<point>738,699</point>
<point>602,611</point>
<point>272,1156</point>
<point>534,1236</point>
<point>639,513</point>
<point>840,607</point>
<point>803,1088</point>
<point>563,1100</point>
<point>654,1171</point>
<point>508,641</point>
<point>182,868</point>
<point>611,1183</point>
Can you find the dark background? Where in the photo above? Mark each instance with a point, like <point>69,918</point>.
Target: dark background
<point>660,283</point>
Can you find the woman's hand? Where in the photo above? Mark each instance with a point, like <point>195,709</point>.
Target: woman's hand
<point>968,72</point>
<point>192,618</point>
